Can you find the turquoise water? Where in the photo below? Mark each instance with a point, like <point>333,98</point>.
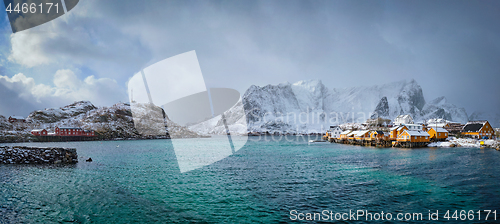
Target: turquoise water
<point>140,181</point>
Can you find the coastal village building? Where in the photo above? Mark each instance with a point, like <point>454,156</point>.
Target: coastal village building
<point>344,134</point>
<point>377,135</point>
<point>478,129</point>
<point>454,128</point>
<point>396,131</point>
<point>352,135</point>
<point>362,135</point>
<point>38,132</point>
<point>15,119</point>
<point>403,119</point>
<point>414,127</point>
<point>438,134</point>
<point>334,132</point>
<point>413,136</point>
<point>64,131</point>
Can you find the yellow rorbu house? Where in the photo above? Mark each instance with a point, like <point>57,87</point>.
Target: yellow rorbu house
<point>412,139</point>
<point>478,129</point>
<point>438,134</point>
<point>396,131</point>
<point>362,135</point>
<point>413,136</point>
<point>377,135</point>
<point>344,134</point>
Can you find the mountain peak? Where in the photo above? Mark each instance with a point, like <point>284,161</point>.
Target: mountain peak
<point>439,101</point>
<point>310,82</point>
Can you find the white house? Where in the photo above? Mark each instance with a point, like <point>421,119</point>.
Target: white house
<point>414,127</point>
<point>334,132</point>
<point>403,119</point>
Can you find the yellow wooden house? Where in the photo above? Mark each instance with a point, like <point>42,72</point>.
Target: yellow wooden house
<point>396,131</point>
<point>361,135</point>
<point>478,129</point>
<point>344,134</point>
<point>437,133</point>
<point>413,136</point>
<point>377,135</point>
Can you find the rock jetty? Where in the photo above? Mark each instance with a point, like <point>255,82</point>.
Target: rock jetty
<point>37,155</point>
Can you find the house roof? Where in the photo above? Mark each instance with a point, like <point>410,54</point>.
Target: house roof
<point>334,127</point>
<point>417,133</point>
<point>361,133</point>
<point>439,129</point>
<point>412,125</point>
<point>346,132</point>
<point>401,127</point>
<point>17,117</point>
<point>353,133</point>
<point>474,127</point>
<point>37,129</point>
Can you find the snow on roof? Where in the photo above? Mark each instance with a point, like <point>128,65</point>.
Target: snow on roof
<point>17,117</point>
<point>417,133</point>
<point>412,125</point>
<point>394,128</point>
<point>346,132</point>
<point>37,129</point>
<point>473,127</point>
<point>439,129</point>
<point>361,133</point>
<point>353,133</point>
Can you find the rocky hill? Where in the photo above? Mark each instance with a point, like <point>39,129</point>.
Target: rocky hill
<point>108,122</point>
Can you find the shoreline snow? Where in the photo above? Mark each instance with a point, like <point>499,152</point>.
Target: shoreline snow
<point>465,142</point>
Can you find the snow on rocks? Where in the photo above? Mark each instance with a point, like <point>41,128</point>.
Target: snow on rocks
<point>40,155</point>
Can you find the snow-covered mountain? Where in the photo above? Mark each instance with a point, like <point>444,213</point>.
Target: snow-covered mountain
<point>51,115</point>
<point>112,122</point>
<point>310,107</point>
<point>440,108</point>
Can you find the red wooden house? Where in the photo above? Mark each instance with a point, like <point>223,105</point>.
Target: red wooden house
<point>13,119</point>
<point>38,132</point>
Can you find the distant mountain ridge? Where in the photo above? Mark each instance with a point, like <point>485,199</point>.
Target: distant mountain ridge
<point>108,122</point>
<point>272,108</point>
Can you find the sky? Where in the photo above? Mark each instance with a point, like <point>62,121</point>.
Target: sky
<point>451,48</point>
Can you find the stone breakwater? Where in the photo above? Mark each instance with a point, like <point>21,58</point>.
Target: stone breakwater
<point>37,155</point>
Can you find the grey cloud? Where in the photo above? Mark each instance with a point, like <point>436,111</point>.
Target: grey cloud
<point>449,47</point>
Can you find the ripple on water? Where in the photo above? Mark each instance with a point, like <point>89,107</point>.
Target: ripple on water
<point>262,182</point>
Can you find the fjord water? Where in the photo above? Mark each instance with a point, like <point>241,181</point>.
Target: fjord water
<point>140,181</point>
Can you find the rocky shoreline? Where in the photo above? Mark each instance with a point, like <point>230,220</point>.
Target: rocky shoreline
<point>37,155</point>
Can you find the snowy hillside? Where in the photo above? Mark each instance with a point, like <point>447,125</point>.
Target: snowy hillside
<point>51,115</point>
<point>440,108</point>
<point>310,107</point>
<point>108,122</point>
